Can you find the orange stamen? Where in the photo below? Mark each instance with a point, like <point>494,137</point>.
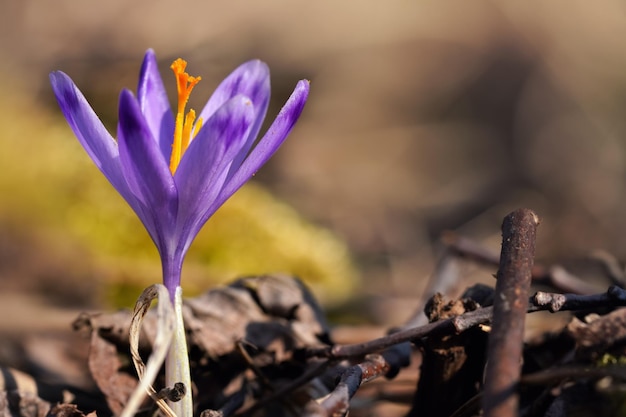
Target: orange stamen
<point>184,127</point>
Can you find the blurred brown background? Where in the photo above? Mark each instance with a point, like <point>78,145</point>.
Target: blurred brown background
<point>423,116</point>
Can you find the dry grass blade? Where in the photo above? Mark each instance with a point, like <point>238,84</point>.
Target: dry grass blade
<point>165,330</point>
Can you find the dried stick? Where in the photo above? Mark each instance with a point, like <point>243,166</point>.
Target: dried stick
<point>317,369</point>
<point>614,297</point>
<point>573,372</point>
<point>506,339</point>
<point>470,249</point>
<point>452,325</point>
<point>611,266</point>
<point>555,276</point>
<point>338,401</point>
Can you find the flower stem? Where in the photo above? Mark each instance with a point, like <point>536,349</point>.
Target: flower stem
<point>177,361</point>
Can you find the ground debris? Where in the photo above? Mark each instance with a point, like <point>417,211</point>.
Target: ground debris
<point>23,404</point>
<point>261,347</point>
<point>252,327</point>
<point>598,334</point>
<point>68,410</point>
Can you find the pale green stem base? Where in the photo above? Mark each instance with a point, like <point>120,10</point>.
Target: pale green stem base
<point>177,361</point>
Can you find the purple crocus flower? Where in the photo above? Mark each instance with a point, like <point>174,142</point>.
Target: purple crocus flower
<point>175,170</point>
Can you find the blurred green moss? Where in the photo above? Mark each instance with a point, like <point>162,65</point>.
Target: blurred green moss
<point>51,187</point>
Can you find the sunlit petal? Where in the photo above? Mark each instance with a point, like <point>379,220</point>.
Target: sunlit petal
<point>144,167</point>
<point>269,144</point>
<point>154,104</point>
<point>204,168</point>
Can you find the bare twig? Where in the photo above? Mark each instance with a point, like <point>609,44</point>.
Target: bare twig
<point>506,339</point>
<point>392,359</point>
<point>549,377</point>
<point>615,296</point>
<point>280,392</point>
<point>614,270</point>
<point>470,249</point>
<point>338,401</point>
<point>398,357</point>
<point>267,384</point>
<point>560,278</point>
<point>555,276</point>
<point>556,375</point>
<point>452,325</point>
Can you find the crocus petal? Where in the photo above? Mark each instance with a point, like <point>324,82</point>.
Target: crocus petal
<point>268,145</point>
<point>250,79</point>
<point>98,143</point>
<point>145,169</point>
<point>205,165</point>
<point>154,104</point>
<point>90,131</point>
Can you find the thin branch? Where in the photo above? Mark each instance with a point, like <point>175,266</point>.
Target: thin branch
<point>338,401</point>
<point>556,375</point>
<point>611,265</point>
<point>553,302</point>
<point>560,278</point>
<point>470,249</point>
<point>442,327</point>
<point>548,377</point>
<point>506,339</point>
<point>280,392</point>
<point>614,297</point>
<point>555,276</point>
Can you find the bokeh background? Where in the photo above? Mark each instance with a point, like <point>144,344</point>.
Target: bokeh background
<point>423,117</point>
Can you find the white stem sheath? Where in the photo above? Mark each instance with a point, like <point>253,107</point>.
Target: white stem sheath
<point>177,361</point>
